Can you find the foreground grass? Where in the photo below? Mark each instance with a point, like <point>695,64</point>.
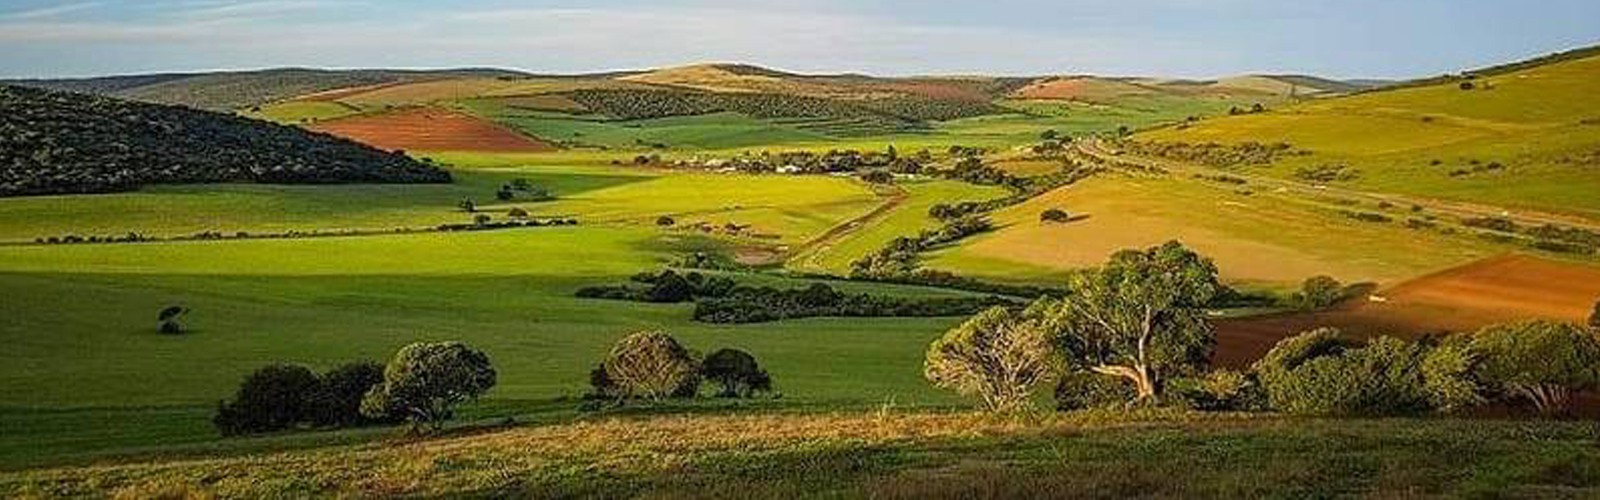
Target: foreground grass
<point>886,455</point>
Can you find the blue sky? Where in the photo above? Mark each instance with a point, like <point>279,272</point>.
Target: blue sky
<point>1181,38</point>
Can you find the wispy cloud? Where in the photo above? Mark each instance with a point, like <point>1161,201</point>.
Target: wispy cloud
<point>47,12</point>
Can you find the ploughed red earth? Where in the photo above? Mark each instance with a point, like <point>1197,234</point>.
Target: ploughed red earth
<point>1463,299</point>
<point>431,129</point>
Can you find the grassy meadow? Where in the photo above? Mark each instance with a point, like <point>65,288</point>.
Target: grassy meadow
<point>902,455</point>
<point>1539,124</point>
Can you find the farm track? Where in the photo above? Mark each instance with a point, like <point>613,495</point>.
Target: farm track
<point>1097,151</point>
<point>807,254</point>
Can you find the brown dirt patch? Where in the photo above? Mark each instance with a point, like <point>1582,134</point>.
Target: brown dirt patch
<point>1466,298</point>
<point>431,129</point>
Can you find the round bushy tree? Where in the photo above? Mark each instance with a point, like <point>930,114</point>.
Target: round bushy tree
<point>651,365</point>
<point>169,319</point>
<point>998,356</point>
<point>1140,317</point>
<point>426,380</point>
<point>1320,292</point>
<point>736,372</point>
<point>272,398</point>
<point>337,401</point>
<point>1542,362</point>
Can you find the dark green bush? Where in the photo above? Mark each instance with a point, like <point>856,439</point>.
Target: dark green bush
<point>736,372</point>
<point>1086,390</point>
<point>275,397</point>
<point>1322,372</point>
<point>337,400</point>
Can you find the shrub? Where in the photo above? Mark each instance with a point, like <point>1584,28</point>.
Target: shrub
<point>1542,362</point>
<point>1055,215</point>
<point>737,372</point>
<point>1088,390</point>
<point>169,319</point>
<point>467,205</point>
<point>665,221</point>
<point>1322,372</point>
<point>651,365</point>
<point>517,213</point>
<point>272,398</point>
<point>1320,292</point>
<point>337,400</point>
<point>1220,390</point>
<point>426,380</point>
<point>878,177</point>
<point>997,356</point>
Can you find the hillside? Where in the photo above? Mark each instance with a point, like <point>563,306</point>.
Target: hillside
<point>1524,135</point>
<point>59,142</point>
<point>231,90</point>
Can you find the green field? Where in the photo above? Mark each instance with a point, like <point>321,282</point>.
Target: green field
<point>1430,140</point>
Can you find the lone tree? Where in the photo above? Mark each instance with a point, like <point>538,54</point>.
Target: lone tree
<point>736,372</point>
<point>1543,362</point>
<point>169,319</point>
<point>1320,292</point>
<point>1140,317</point>
<point>467,205</point>
<point>651,365</point>
<point>1055,215</point>
<point>665,221</point>
<point>517,213</point>
<point>426,380</point>
<point>505,193</point>
<point>481,220</point>
<point>997,356</point>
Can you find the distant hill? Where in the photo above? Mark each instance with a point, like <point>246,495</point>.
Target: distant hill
<point>61,142</point>
<point>234,90</point>
<point>1521,135</point>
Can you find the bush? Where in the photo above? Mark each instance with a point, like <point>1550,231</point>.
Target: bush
<point>1322,372</point>
<point>737,372</point>
<point>1055,215</point>
<point>169,319</point>
<point>426,380</point>
<point>1085,390</point>
<point>1542,362</point>
<point>997,356</point>
<point>651,365</point>
<point>1220,390</point>
<point>273,398</point>
<point>337,400</point>
<point>665,221</point>
<point>1320,292</point>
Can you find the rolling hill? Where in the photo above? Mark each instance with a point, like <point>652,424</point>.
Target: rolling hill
<point>231,90</point>
<point>1524,135</point>
<point>62,142</point>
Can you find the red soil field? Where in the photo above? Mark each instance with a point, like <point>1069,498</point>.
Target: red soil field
<point>431,129</point>
<point>1495,290</point>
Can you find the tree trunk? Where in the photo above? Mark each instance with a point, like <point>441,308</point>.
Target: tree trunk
<point>1143,383</point>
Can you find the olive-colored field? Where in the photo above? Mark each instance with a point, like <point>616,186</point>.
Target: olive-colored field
<point>430,129</point>
<point>1523,140</point>
<point>1494,290</point>
<point>1261,238</point>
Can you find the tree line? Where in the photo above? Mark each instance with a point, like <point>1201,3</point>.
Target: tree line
<point>57,142</point>
<point>1136,332</point>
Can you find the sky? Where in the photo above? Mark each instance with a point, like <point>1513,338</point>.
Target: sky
<point>1170,38</point>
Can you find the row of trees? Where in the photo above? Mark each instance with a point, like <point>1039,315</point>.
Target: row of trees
<point>653,366</point>
<point>1136,329</point>
<point>423,384</point>
<point>718,299</point>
